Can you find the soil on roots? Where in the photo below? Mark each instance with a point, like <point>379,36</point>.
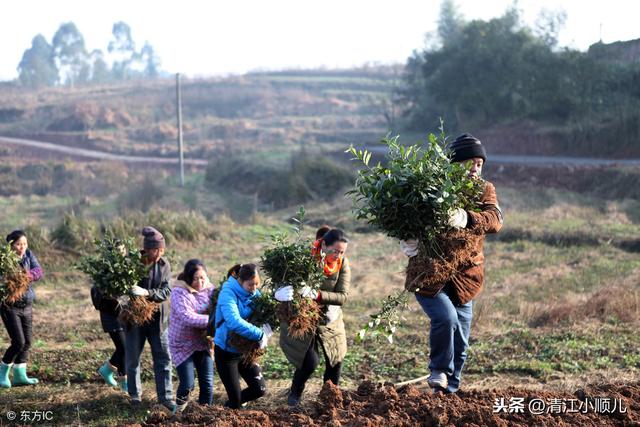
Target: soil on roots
<point>250,350</point>
<point>16,284</point>
<point>138,311</point>
<point>383,405</point>
<point>452,252</point>
<point>302,316</point>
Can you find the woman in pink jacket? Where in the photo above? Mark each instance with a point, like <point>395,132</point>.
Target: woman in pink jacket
<point>189,348</point>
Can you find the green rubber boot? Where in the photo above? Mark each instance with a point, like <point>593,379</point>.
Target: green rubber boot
<point>4,375</point>
<point>20,375</point>
<point>106,371</point>
<point>122,382</point>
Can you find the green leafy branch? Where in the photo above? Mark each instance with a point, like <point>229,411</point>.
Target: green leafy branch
<point>386,321</point>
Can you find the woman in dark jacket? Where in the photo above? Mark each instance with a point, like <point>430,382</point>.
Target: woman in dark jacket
<point>18,317</point>
<point>113,370</point>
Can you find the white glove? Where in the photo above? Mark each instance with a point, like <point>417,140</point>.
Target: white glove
<point>284,294</point>
<point>139,292</point>
<point>266,334</point>
<point>333,312</point>
<point>458,218</point>
<point>409,247</point>
<point>308,292</point>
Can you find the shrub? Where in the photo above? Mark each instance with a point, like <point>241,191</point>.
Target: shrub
<point>304,178</point>
<point>292,263</point>
<point>115,267</point>
<point>411,196</point>
<point>74,233</point>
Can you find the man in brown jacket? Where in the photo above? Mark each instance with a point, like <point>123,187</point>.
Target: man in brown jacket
<point>451,309</point>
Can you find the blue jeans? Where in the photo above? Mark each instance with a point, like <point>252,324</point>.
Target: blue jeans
<point>449,335</point>
<point>202,363</point>
<point>159,342</point>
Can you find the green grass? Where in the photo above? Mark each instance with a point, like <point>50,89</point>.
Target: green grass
<point>540,354</point>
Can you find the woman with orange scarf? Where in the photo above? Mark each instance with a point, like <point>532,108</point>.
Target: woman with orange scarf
<point>330,334</point>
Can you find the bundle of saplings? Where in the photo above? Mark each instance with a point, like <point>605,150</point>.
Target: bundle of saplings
<point>292,264</point>
<point>115,267</point>
<point>14,280</point>
<point>264,311</point>
<point>412,196</point>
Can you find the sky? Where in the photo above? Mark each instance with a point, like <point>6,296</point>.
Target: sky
<point>211,38</point>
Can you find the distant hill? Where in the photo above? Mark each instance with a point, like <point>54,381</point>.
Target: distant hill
<point>258,111</point>
<point>620,52</point>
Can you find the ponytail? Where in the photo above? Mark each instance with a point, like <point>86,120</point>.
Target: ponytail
<point>322,231</point>
<point>243,272</point>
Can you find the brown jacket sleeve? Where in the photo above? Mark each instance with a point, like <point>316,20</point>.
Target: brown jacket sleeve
<point>340,292</point>
<point>489,219</point>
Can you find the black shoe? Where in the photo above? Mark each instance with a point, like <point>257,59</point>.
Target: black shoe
<point>136,403</point>
<point>227,404</point>
<point>293,399</point>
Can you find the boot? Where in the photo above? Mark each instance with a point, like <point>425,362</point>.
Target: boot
<point>295,394</point>
<point>170,405</point>
<point>20,375</point>
<point>107,371</point>
<point>122,382</point>
<point>4,375</point>
<point>181,404</point>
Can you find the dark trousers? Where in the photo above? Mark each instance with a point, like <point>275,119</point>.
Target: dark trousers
<point>201,363</point>
<point>230,368</point>
<point>18,322</point>
<point>117,358</point>
<point>309,365</point>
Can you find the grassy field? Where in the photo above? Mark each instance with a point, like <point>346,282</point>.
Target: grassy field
<point>560,307</point>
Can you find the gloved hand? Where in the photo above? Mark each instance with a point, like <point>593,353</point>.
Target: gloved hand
<point>333,312</point>
<point>284,294</point>
<point>308,292</point>
<point>139,292</point>
<point>458,218</point>
<point>267,332</point>
<point>409,247</point>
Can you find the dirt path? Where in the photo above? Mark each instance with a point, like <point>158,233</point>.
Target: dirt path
<point>495,158</point>
<point>93,154</point>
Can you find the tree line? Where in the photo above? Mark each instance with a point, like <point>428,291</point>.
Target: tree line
<point>481,73</point>
<point>67,61</point>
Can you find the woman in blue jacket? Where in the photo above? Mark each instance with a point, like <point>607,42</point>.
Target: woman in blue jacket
<point>18,317</point>
<point>232,309</point>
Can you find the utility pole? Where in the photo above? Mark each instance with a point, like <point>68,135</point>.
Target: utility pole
<point>180,143</point>
<point>601,32</point>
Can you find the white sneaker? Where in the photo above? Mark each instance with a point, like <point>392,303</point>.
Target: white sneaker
<point>438,380</point>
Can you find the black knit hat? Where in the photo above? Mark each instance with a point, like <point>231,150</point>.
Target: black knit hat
<point>153,239</point>
<point>466,147</point>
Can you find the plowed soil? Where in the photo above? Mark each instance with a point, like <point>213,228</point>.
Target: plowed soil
<point>383,405</point>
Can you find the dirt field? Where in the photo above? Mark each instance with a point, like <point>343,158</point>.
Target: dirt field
<point>379,405</point>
